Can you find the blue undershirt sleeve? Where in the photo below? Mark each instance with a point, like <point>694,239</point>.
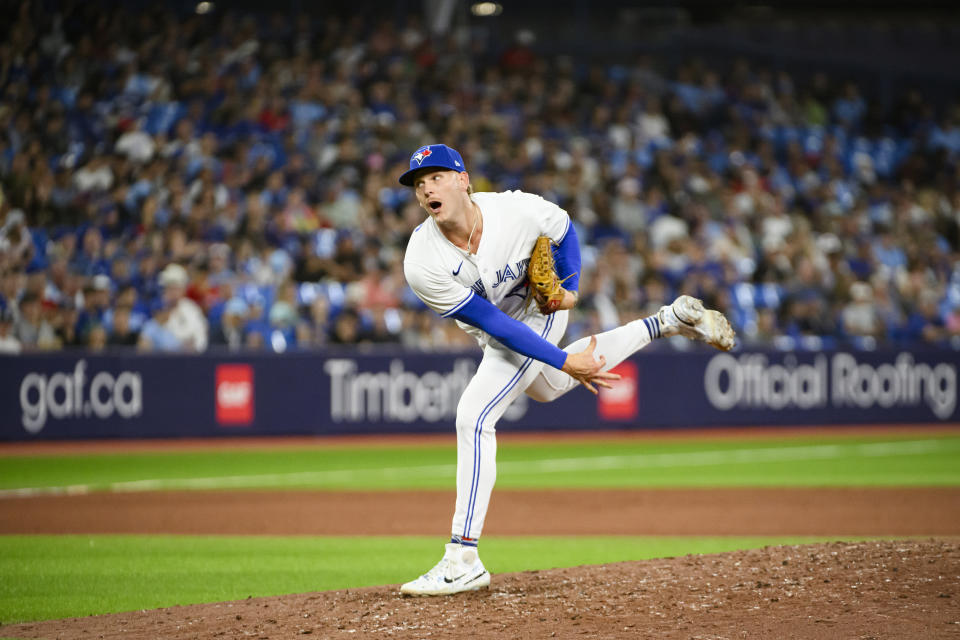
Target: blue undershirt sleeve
<point>517,336</point>
<point>567,259</point>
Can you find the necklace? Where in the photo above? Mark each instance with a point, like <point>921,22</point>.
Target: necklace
<point>476,219</point>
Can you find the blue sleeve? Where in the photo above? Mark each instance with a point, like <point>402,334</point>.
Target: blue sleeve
<point>567,259</point>
<point>514,334</point>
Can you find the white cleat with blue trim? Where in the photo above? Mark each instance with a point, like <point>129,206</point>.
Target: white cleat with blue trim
<point>459,570</point>
<point>688,317</point>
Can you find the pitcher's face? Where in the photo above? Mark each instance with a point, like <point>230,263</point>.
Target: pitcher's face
<point>442,193</point>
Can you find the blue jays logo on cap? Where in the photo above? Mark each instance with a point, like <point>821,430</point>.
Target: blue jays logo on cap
<point>438,156</point>
<point>420,155</point>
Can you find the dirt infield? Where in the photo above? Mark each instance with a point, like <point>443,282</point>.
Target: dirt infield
<point>901,589</point>
<point>782,511</point>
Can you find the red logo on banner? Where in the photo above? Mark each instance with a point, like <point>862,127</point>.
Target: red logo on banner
<point>619,402</point>
<point>234,392</point>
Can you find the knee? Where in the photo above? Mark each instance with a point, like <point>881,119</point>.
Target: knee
<point>472,418</point>
<point>467,416</point>
<point>539,395</point>
<point>543,390</point>
<point>465,423</point>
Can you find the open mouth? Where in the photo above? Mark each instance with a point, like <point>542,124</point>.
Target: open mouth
<point>434,205</point>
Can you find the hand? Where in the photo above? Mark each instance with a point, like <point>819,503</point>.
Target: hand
<point>569,301</point>
<point>584,367</point>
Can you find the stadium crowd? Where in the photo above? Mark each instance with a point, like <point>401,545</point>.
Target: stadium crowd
<point>184,182</point>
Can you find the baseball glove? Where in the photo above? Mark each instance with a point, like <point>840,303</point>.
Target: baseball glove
<point>545,284</point>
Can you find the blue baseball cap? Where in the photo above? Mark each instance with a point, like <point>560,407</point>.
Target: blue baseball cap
<point>432,156</point>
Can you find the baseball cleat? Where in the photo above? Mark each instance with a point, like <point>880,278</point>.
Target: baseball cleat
<point>687,317</point>
<point>459,570</point>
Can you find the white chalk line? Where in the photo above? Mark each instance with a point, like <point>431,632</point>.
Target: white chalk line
<point>550,465</point>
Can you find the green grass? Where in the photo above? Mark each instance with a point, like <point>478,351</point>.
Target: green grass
<point>834,461</point>
<point>48,577</point>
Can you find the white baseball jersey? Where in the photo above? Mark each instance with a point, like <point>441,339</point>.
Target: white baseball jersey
<point>446,277</point>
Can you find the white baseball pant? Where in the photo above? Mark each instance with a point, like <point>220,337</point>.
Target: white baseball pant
<point>500,379</point>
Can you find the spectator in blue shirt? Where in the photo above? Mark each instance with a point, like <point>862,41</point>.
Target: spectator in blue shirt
<point>155,336</point>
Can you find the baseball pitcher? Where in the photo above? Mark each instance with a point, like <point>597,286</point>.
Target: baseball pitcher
<point>470,261</point>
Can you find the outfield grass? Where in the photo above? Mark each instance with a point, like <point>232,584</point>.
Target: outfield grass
<point>833,461</point>
<point>48,577</point>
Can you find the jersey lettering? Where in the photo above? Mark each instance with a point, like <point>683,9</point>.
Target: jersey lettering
<point>478,289</point>
<point>509,274</point>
